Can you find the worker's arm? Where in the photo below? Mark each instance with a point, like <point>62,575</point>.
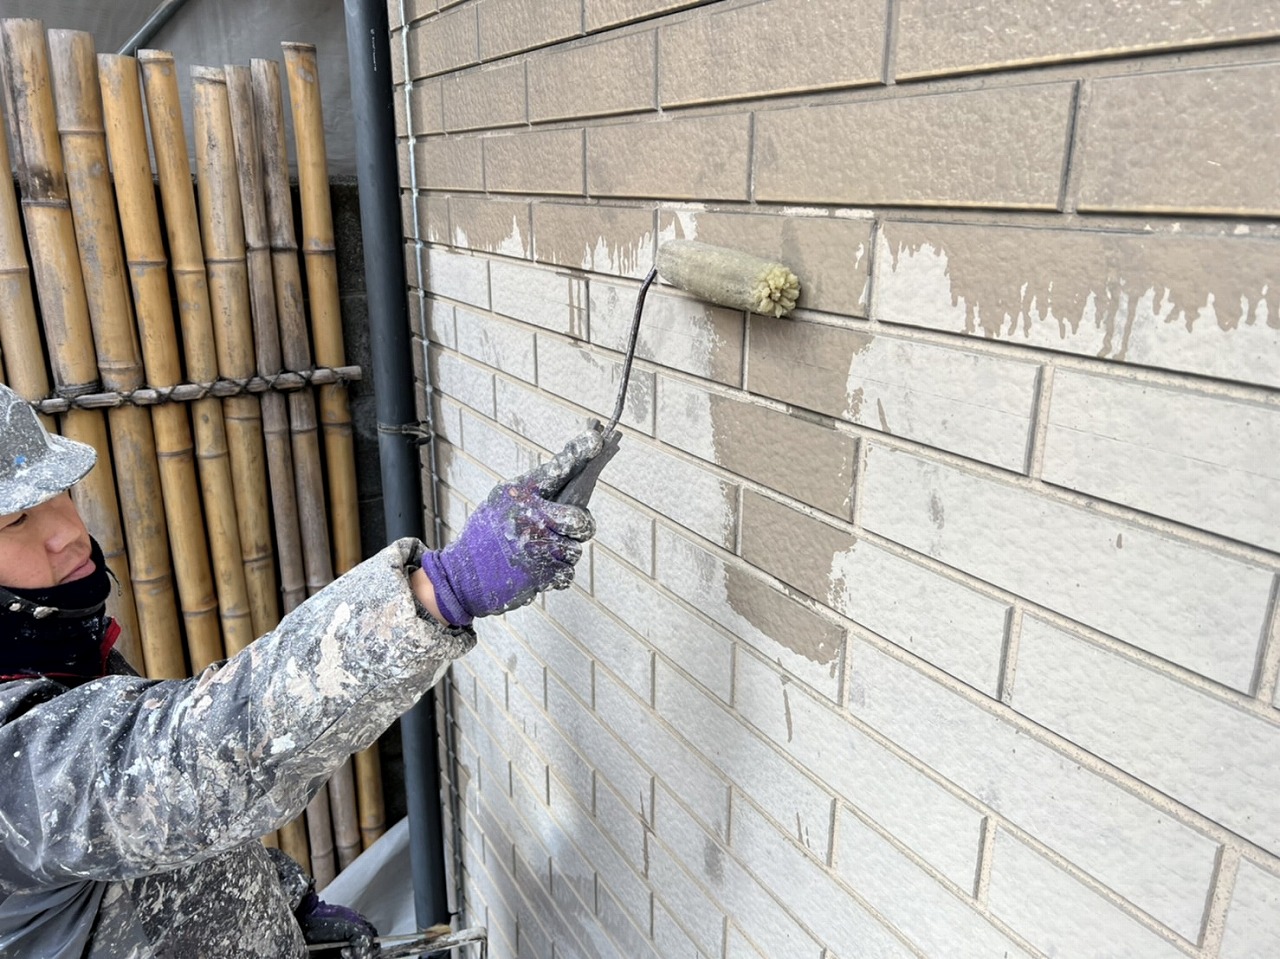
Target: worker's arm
<point>125,776</point>
<point>425,593</point>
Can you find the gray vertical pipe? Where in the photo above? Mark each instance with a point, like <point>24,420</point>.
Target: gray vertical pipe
<point>146,33</point>
<point>372,89</point>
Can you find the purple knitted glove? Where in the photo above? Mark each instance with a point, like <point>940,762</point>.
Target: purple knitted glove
<point>323,922</point>
<point>518,542</point>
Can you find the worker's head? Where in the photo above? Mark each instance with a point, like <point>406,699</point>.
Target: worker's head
<point>43,541</point>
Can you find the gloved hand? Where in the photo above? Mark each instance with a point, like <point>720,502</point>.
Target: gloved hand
<point>324,922</point>
<point>518,542</point>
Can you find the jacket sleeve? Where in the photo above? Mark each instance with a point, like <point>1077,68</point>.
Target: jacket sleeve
<point>125,776</point>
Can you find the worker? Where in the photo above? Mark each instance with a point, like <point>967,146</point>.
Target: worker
<point>132,809</point>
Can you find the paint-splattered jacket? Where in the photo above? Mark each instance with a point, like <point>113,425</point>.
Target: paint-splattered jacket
<point>130,809</point>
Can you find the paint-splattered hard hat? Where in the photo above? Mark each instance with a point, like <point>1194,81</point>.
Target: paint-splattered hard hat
<point>35,466</point>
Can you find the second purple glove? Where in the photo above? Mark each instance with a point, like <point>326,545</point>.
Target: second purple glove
<point>323,923</point>
<point>518,542</point>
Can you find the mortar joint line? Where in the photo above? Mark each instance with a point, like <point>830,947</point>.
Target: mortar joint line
<point>737,524</point>
<point>657,65</point>
<point>1039,431</point>
<point>986,853</point>
<point>1009,652</point>
<point>1222,887</point>
<point>1269,659</point>
<point>859,472</point>
<point>833,824</point>
<point>890,54</point>
<point>873,241</point>
<point>1070,175</point>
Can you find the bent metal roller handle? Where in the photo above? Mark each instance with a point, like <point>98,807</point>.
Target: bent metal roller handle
<point>725,277</point>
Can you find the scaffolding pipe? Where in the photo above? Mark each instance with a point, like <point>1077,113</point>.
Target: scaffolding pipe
<point>159,17</point>
<point>372,90</point>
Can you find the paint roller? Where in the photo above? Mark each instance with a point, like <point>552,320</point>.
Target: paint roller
<point>716,274</point>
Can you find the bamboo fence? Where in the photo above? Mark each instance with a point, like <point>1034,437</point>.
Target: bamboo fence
<point>321,260</point>
<point>173,170</point>
<point>119,359</point>
<point>266,333</point>
<point>224,259</point>
<point>295,341</point>
<point>140,227</point>
<point>209,499</point>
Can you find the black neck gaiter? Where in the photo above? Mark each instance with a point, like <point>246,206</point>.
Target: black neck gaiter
<point>59,631</point>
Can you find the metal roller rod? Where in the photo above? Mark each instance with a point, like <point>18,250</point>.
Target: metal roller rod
<point>631,352</point>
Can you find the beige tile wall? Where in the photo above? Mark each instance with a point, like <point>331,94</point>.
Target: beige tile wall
<point>939,620</point>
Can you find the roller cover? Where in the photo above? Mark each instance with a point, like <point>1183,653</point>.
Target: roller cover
<point>729,278</point>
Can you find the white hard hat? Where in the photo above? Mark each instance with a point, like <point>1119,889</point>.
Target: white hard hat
<point>34,465</point>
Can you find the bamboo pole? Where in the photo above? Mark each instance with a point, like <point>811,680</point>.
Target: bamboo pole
<point>46,208</point>
<point>80,125</point>
<point>266,335</point>
<point>344,809</point>
<point>373,815</point>
<point>294,339</point>
<point>25,369</point>
<point>296,349</point>
<point>148,269</point>
<point>223,233</point>
<point>293,839</point>
<point>335,411</point>
<point>79,118</point>
<point>64,311</point>
<point>322,287</point>
<point>217,485</point>
<point>324,864</point>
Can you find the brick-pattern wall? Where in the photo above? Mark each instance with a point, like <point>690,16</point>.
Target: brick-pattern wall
<point>939,619</point>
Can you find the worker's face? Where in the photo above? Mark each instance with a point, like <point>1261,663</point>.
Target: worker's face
<point>44,546</point>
